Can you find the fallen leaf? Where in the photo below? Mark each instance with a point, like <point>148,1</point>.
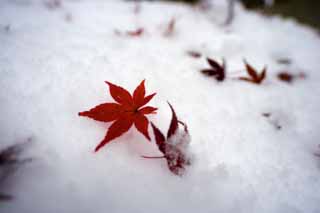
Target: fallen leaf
<point>285,76</point>
<point>254,76</point>
<point>218,71</point>
<point>174,145</point>
<point>126,112</point>
<point>194,54</point>
<point>289,78</point>
<point>135,33</point>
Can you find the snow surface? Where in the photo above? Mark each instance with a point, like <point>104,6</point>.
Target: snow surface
<point>53,64</point>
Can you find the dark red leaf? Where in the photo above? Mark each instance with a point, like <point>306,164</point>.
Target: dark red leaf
<point>285,76</point>
<point>216,70</point>
<point>173,148</point>
<point>159,137</point>
<point>251,71</point>
<point>254,76</point>
<point>173,124</point>
<point>214,64</point>
<point>209,72</point>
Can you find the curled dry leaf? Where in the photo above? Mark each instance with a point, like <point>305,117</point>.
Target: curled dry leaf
<point>126,112</point>
<point>174,146</point>
<point>217,71</point>
<point>254,76</point>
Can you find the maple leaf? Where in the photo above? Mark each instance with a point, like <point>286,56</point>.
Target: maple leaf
<point>126,112</point>
<point>216,70</point>
<point>174,145</point>
<point>254,76</point>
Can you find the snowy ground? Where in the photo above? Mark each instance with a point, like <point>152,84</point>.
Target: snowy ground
<point>53,64</point>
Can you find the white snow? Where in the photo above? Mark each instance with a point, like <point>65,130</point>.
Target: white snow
<point>53,64</point>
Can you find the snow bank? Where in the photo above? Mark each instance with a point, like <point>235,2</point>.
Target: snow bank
<point>53,63</point>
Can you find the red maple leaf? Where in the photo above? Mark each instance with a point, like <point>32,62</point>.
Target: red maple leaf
<point>127,111</point>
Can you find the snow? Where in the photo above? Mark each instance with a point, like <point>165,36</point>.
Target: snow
<point>53,64</point>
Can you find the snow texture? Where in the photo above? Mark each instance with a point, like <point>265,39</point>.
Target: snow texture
<point>55,58</point>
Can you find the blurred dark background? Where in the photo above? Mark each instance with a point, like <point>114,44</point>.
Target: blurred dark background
<point>305,11</point>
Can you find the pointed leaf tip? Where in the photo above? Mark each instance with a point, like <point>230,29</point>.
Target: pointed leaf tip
<point>138,94</point>
<point>174,123</point>
<point>159,137</point>
<point>141,123</point>
<point>119,94</point>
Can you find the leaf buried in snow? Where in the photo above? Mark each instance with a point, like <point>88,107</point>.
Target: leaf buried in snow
<point>218,71</point>
<point>128,111</point>
<point>174,147</point>
<point>254,76</point>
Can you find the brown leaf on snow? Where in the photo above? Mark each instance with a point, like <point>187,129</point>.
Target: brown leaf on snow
<point>254,76</point>
<point>217,71</point>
